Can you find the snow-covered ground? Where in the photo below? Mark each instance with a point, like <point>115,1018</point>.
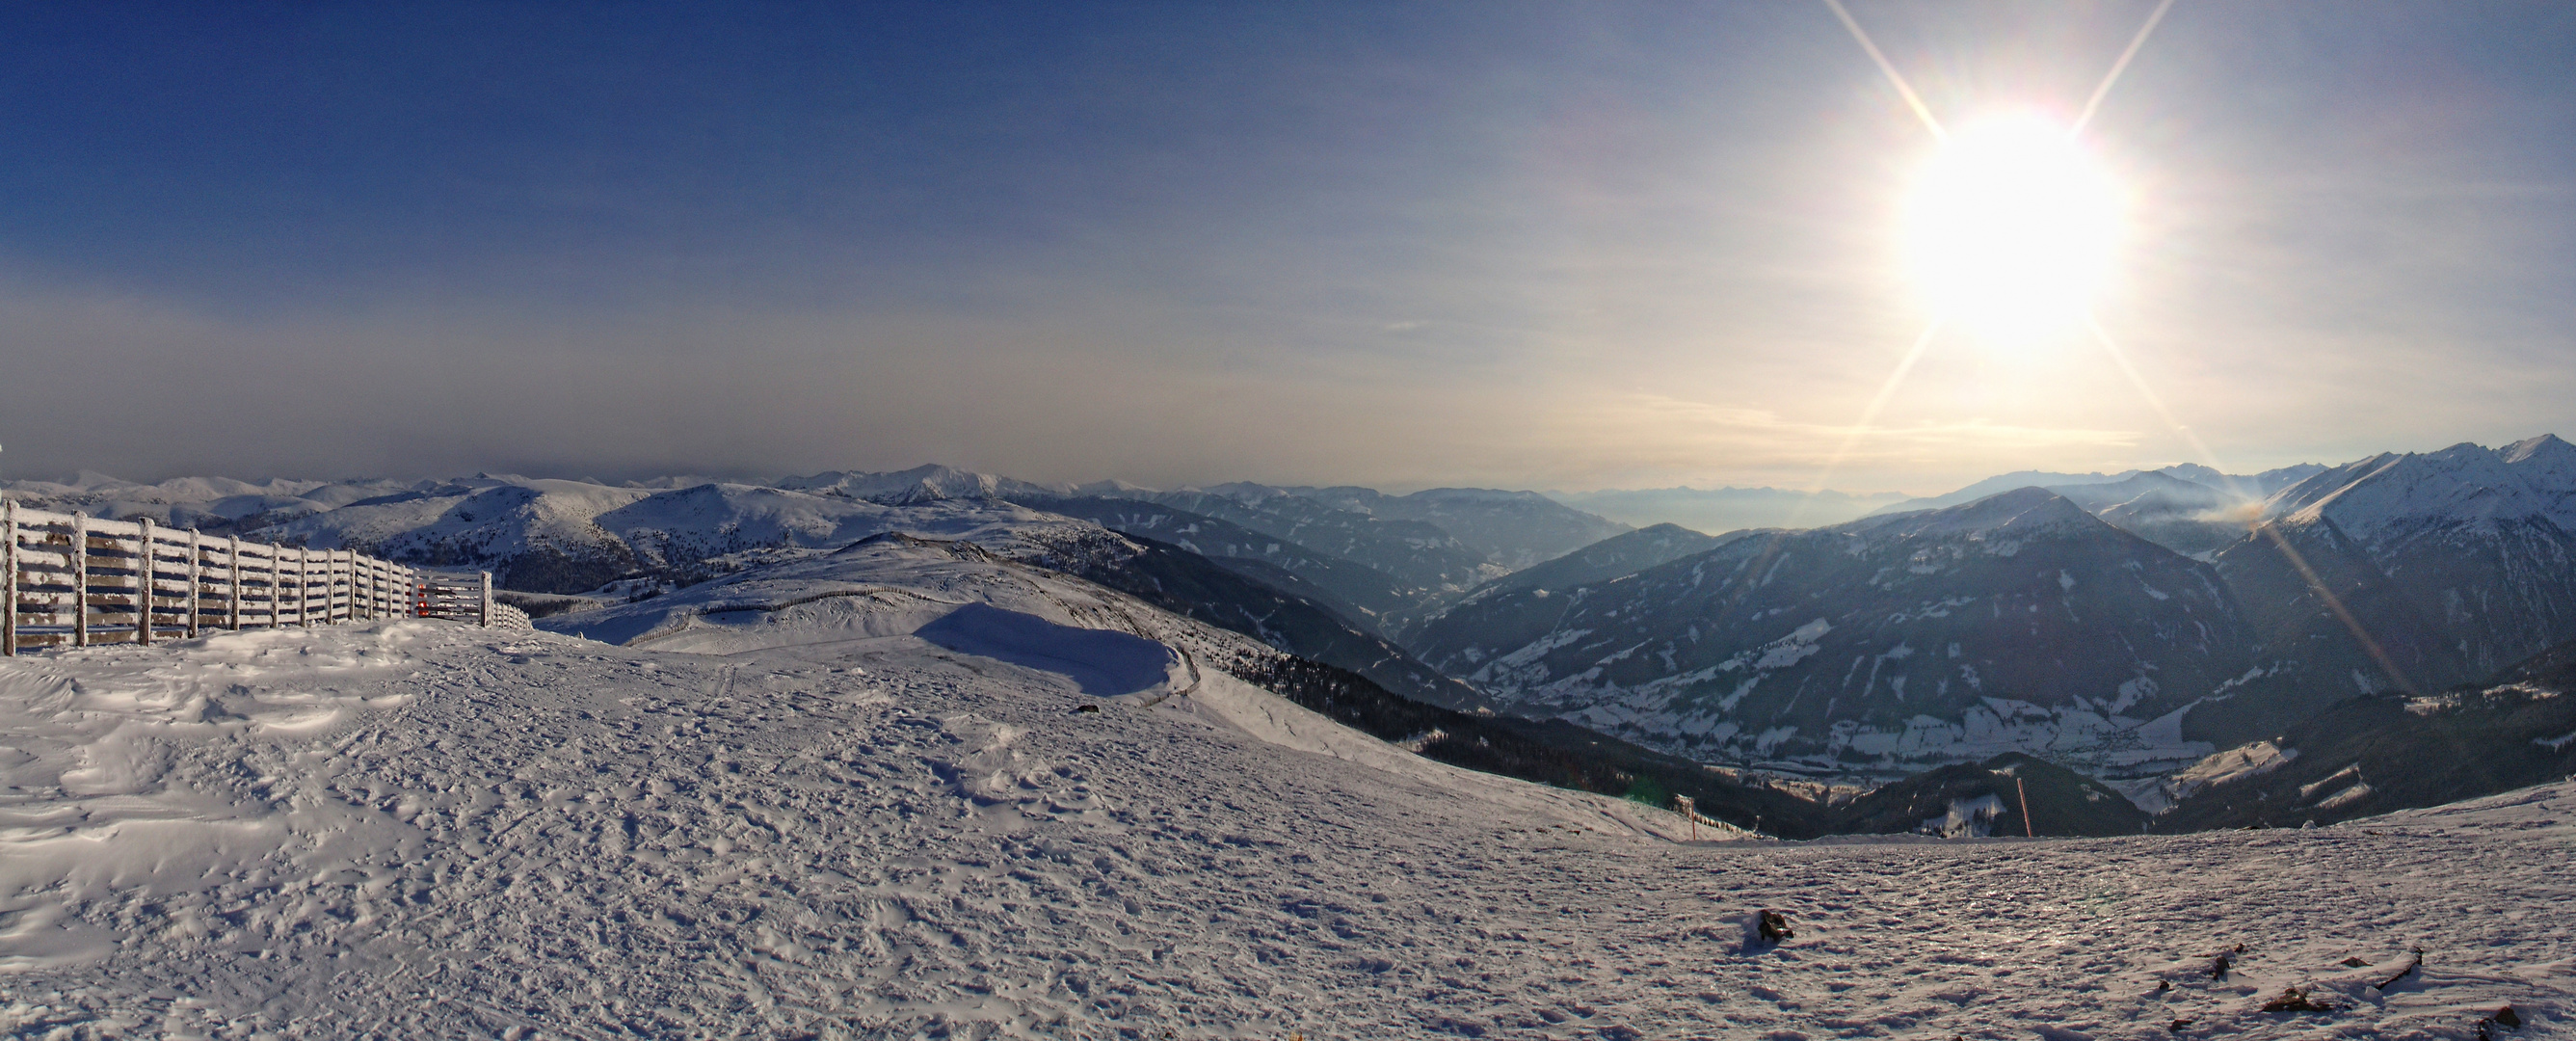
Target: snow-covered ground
<point>425,829</point>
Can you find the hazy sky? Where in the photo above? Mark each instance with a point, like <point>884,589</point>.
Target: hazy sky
<point>1558,244</point>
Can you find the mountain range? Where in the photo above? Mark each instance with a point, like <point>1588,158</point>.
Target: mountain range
<point>2129,624</point>
<point>2014,622</point>
<point>1726,509</point>
<point>2058,620</point>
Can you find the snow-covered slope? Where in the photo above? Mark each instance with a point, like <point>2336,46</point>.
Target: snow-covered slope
<point>2382,497</point>
<point>212,504</point>
<point>1361,593</point>
<point>2472,552</point>
<point>890,585</point>
<point>570,536</point>
<point>2015,623</point>
<point>1428,563</point>
<point>421,829</point>
<point>1381,556</point>
<point>887,580</point>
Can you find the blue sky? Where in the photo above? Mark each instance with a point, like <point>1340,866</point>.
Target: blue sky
<point>1534,245</point>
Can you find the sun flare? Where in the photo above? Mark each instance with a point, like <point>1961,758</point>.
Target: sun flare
<point>2011,229</point>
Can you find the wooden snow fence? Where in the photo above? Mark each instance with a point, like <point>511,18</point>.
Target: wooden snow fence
<point>68,580</point>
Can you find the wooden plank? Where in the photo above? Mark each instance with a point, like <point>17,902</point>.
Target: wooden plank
<point>40,611</point>
<point>112,529</point>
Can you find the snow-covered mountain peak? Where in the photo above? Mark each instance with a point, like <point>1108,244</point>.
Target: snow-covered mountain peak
<point>2021,512</point>
<point>2545,446</point>
<point>2391,494</point>
<point>2196,474</point>
<point>1477,495</point>
<point>921,484</point>
<point>1111,488</point>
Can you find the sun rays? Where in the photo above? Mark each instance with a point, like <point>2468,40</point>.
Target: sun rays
<point>2010,231</point>
<point>2010,235</point>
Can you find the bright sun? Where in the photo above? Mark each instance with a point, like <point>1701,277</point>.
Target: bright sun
<point>2011,228</point>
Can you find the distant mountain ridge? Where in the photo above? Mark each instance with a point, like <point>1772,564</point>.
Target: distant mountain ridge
<point>2400,572</point>
<point>2436,568</point>
<point>1512,529</point>
<point>559,537</point>
<point>2249,487</point>
<point>1718,510</point>
<point>1919,637</point>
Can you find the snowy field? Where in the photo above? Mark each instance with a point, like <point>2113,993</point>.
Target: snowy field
<point>423,829</point>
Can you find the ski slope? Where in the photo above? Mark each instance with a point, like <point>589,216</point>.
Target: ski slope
<point>424,829</point>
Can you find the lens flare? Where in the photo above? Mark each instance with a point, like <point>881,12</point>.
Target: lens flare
<point>2011,229</point>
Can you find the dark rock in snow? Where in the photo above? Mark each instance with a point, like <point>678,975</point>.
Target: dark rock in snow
<point>2292,999</point>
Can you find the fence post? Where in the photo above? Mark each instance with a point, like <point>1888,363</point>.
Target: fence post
<point>485,618</point>
<point>196,580</point>
<point>232,589</point>
<point>8,578</point>
<point>80,579</point>
<point>303,588</point>
<point>143,581</point>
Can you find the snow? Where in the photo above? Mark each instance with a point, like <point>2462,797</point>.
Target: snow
<point>1966,817</point>
<point>2249,760</point>
<point>2377,498</point>
<point>421,828</point>
<point>924,484</point>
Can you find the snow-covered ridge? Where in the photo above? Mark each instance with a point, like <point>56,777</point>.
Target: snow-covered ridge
<point>569,536</point>
<point>894,584</point>
<point>2376,498</point>
<point>529,835</point>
